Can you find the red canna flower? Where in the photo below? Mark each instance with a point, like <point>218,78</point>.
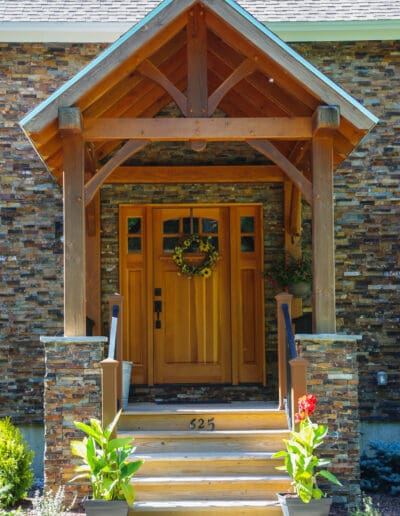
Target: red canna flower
<point>307,404</point>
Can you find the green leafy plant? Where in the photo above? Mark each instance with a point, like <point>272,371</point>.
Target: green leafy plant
<point>289,269</point>
<point>380,471</point>
<point>105,461</point>
<point>300,459</point>
<point>16,475</point>
<point>50,504</point>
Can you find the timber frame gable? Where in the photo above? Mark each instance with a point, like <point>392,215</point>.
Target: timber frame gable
<point>210,58</point>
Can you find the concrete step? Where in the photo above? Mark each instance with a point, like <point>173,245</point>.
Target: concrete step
<point>233,507</point>
<point>219,463</point>
<point>210,487</point>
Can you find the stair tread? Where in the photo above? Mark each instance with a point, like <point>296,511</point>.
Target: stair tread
<point>149,409</point>
<point>205,503</point>
<point>201,433</point>
<point>203,456</point>
<point>208,478</point>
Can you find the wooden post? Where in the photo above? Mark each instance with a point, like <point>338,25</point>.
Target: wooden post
<point>108,390</point>
<point>117,299</point>
<point>326,119</point>
<point>93,268</point>
<point>282,298</point>
<point>298,374</point>
<point>74,222</point>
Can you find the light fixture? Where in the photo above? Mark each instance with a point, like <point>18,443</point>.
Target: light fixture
<point>382,378</point>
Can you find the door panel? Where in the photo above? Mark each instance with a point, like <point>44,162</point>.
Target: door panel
<point>193,343</point>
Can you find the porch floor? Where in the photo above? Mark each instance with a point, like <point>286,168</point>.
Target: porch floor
<point>202,394</point>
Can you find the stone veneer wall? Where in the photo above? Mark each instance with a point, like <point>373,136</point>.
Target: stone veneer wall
<point>72,392</point>
<point>367,220</point>
<point>332,377</point>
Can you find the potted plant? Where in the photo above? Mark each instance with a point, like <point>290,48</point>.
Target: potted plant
<point>292,274</point>
<point>301,464</point>
<point>106,466</point>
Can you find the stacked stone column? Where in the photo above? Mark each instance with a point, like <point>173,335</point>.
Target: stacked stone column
<point>72,392</point>
<point>332,377</point>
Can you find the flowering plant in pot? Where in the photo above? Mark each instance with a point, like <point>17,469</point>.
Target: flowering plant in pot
<point>106,466</point>
<point>289,271</point>
<point>302,464</point>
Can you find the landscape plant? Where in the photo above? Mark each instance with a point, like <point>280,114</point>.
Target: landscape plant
<point>380,471</point>
<point>301,462</point>
<point>50,504</point>
<point>16,475</point>
<point>288,270</point>
<point>105,461</point>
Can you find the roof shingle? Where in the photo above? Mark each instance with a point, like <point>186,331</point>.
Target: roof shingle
<point>133,11</point>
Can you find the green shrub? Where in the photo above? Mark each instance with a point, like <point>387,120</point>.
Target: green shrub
<point>380,472</point>
<point>16,476</point>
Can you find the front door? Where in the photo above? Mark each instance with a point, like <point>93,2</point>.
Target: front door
<point>192,340</point>
<point>192,329</point>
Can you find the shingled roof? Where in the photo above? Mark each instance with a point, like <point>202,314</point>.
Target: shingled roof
<point>133,11</point>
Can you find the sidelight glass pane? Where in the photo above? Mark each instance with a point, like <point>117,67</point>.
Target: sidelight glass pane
<point>247,244</point>
<point>134,244</point>
<point>247,224</point>
<point>134,225</point>
<point>210,226</point>
<point>171,226</point>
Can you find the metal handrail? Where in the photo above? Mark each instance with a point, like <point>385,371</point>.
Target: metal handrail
<point>291,353</point>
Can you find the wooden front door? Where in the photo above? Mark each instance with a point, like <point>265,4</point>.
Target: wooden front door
<point>192,330</point>
<point>193,342</point>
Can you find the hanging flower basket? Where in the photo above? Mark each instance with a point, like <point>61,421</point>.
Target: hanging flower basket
<point>204,245</point>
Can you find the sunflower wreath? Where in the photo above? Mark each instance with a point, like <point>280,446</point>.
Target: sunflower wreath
<point>205,246</point>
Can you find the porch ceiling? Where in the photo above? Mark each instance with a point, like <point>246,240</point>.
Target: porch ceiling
<point>250,74</point>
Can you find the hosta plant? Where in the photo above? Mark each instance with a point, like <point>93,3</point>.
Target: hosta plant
<point>105,461</point>
<point>301,462</point>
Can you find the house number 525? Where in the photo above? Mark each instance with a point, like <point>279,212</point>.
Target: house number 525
<point>202,424</point>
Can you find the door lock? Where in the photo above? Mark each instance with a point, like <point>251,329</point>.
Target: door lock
<point>158,310</point>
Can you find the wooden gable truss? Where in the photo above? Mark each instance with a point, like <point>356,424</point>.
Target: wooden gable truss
<point>232,80</point>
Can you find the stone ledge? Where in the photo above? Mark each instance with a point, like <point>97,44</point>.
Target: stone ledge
<point>327,337</point>
<point>73,340</point>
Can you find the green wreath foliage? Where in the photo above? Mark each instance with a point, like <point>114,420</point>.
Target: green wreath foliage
<point>205,246</point>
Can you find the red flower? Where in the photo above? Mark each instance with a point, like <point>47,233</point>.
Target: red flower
<point>307,404</point>
<point>299,416</point>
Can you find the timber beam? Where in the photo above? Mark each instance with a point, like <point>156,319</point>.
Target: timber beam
<point>268,149</point>
<point>325,122</point>
<point>70,127</point>
<point>184,129</point>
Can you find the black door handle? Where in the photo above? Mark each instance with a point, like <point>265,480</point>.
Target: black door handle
<point>158,310</point>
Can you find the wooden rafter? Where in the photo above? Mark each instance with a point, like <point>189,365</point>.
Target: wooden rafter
<point>246,68</point>
<point>126,151</point>
<point>268,149</point>
<point>152,72</point>
<point>183,129</point>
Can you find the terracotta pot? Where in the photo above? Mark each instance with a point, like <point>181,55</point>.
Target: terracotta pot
<point>300,288</point>
<point>292,505</point>
<point>106,507</point>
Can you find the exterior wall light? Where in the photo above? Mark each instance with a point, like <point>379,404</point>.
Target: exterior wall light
<point>382,378</point>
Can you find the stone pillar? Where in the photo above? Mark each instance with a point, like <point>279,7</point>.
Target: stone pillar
<point>72,392</point>
<point>332,377</point>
